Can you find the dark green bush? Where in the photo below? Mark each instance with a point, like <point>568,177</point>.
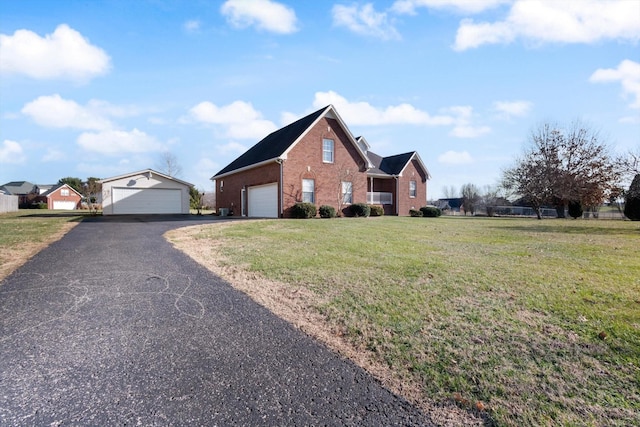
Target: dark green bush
<point>415,212</point>
<point>575,209</point>
<point>632,200</point>
<point>360,209</point>
<point>430,211</point>
<point>327,211</point>
<point>304,210</point>
<point>376,210</point>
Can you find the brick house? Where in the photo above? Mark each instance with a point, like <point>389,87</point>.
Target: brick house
<point>62,197</point>
<point>316,159</point>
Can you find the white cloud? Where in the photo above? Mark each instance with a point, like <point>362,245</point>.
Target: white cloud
<point>231,147</point>
<point>586,21</point>
<point>627,73</point>
<point>192,26</point>
<point>206,168</point>
<point>464,6</point>
<point>64,54</point>
<point>113,142</point>
<point>508,109</point>
<point>364,20</point>
<point>238,119</point>
<point>455,158</point>
<point>463,123</point>
<point>363,113</point>
<point>54,111</point>
<point>53,155</point>
<point>468,131</point>
<point>11,152</point>
<point>265,15</point>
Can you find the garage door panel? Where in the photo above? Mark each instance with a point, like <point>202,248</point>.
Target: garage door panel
<point>64,205</point>
<point>146,201</point>
<point>263,201</point>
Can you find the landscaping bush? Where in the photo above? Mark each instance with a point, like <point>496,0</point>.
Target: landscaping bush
<point>360,209</point>
<point>415,212</point>
<point>575,209</point>
<point>327,211</point>
<point>376,210</point>
<point>632,200</point>
<point>304,210</point>
<point>430,211</point>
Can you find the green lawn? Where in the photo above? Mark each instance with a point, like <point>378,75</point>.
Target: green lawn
<point>537,320</point>
<point>24,233</point>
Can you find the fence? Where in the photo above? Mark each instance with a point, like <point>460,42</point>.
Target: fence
<point>529,212</point>
<point>8,203</point>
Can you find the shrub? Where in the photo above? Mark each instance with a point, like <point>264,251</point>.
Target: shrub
<point>632,200</point>
<point>360,209</point>
<point>327,211</point>
<point>415,212</point>
<point>376,210</point>
<point>304,210</point>
<point>575,209</point>
<point>430,211</point>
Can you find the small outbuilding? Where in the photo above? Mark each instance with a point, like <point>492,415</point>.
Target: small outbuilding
<point>144,192</point>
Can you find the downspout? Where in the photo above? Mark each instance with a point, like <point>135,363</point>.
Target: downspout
<point>280,162</point>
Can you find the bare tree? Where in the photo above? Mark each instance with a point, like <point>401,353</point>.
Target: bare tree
<point>449,192</point>
<point>347,176</point>
<point>168,164</point>
<point>470,198</point>
<point>562,166</point>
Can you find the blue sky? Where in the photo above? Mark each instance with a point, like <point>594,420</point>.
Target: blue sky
<point>101,88</point>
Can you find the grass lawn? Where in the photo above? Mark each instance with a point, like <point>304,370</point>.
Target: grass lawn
<point>26,232</point>
<point>527,322</point>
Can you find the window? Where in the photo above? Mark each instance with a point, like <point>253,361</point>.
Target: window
<point>64,192</point>
<point>308,189</point>
<point>412,189</point>
<point>347,192</point>
<point>327,150</point>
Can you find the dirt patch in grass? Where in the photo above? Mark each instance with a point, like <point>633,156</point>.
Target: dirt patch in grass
<point>298,306</point>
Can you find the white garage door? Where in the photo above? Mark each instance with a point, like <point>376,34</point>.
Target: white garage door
<point>64,205</point>
<point>146,201</point>
<point>263,201</point>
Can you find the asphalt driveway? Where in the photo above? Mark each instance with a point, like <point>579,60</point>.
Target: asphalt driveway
<point>112,326</point>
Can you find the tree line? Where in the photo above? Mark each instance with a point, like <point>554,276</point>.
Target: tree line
<point>567,168</point>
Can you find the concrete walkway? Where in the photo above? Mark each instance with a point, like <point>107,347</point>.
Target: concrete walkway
<point>112,326</point>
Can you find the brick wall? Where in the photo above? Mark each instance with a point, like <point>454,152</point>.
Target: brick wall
<point>304,161</point>
<point>230,194</point>
<point>412,173</point>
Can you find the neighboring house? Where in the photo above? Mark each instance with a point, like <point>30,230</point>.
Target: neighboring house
<point>42,188</point>
<point>316,159</point>
<point>23,189</point>
<point>62,197</point>
<point>451,204</point>
<point>144,192</point>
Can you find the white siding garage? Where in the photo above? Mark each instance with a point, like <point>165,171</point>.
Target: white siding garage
<point>144,192</point>
<point>146,201</point>
<point>263,201</point>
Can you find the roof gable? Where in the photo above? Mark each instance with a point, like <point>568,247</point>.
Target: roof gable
<point>58,187</point>
<point>142,172</point>
<point>277,144</point>
<point>394,165</point>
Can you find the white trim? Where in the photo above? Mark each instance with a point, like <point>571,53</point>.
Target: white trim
<point>147,173</point>
<point>336,116</point>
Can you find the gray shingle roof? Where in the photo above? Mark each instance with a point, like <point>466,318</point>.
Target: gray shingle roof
<point>18,187</point>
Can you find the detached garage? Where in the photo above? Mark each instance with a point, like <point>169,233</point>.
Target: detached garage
<point>144,192</point>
